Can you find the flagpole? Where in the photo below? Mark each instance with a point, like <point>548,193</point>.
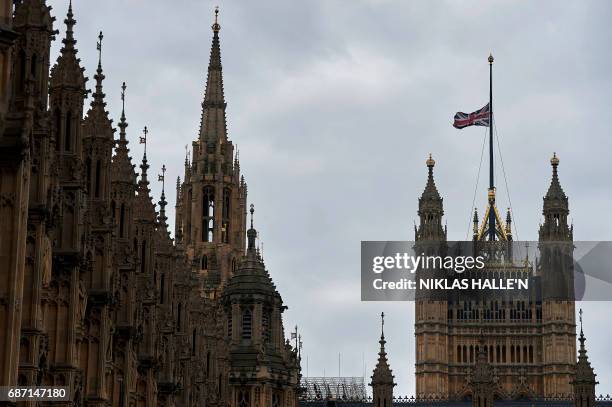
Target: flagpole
<point>491,175</point>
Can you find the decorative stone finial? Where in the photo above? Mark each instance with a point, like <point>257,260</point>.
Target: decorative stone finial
<point>491,59</point>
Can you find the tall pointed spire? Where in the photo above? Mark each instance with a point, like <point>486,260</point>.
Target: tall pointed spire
<point>67,71</point>
<point>144,166</point>
<point>162,202</point>
<point>430,208</point>
<point>251,233</point>
<point>382,377</point>
<point>98,96</point>
<point>69,41</point>
<point>584,380</point>
<point>213,122</point>
<point>123,169</point>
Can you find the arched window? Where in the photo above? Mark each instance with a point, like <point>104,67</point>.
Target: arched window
<point>247,321</point>
<point>226,215</point>
<point>530,353</point>
<point>98,178</point>
<point>121,220</point>
<point>204,262</point>
<point>208,214</point>
<point>68,132</point>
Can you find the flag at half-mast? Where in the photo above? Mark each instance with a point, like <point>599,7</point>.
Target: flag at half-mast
<point>481,117</point>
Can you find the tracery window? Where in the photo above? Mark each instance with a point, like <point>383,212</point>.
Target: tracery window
<point>208,214</point>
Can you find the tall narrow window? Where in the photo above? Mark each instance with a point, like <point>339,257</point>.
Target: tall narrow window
<point>247,322</point>
<point>98,178</point>
<point>143,256</point>
<point>33,66</point>
<point>121,220</point>
<point>162,288</point>
<point>208,218</point>
<point>229,324</point>
<point>226,215</point>
<point>193,342</point>
<point>68,132</point>
<point>21,72</point>
<point>88,174</point>
<point>204,265</point>
<point>178,316</point>
<point>207,363</point>
<point>265,325</point>
<point>57,122</point>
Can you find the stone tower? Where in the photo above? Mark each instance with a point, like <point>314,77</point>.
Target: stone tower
<point>430,308</point>
<point>584,380</point>
<point>382,380</point>
<point>211,208</point>
<point>558,307</point>
<point>264,370</point>
<point>527,337</point>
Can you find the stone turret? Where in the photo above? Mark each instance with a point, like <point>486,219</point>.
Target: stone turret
<point>382,380</point>
<point>584,380</point>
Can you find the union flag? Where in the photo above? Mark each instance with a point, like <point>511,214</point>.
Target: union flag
<point>480,117</point>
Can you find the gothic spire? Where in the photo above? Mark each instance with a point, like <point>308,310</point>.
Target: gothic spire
<point>555,209</point>
<point>382,373</point>
<point>97,123</point>
<point>162,202</point>
<point>144,166</point>
<point>123,169</point>
<point>431,191</point>
<point>213,123</point>
<point>584,380</point>
<point>430,208</point>
<point>98,96</point>
<point>555,191</point>
<point>69,41</point>
<point>67,71</point>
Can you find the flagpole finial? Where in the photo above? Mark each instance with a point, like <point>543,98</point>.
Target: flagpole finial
<point>491,59</point>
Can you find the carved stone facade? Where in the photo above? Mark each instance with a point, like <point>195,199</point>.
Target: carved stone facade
<point>94,293</point>
<point>529,340</point>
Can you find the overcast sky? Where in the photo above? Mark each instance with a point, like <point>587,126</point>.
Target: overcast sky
<point>336,104</point>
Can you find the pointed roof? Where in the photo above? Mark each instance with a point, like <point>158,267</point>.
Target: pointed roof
<point>555,196</point>
<point>145,207</point>
<point>213,126</point>
<point>251,277</point>
<point>97,122</point>
<point>430,198</point>
<point>67,71</point>
<point>382,372</point>
<point>584,372</point>
<point>123,169</point>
